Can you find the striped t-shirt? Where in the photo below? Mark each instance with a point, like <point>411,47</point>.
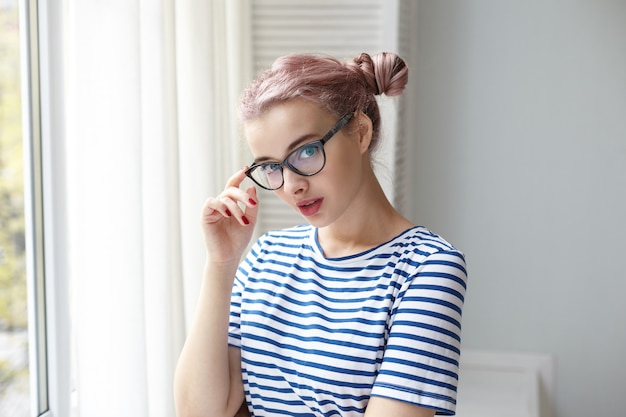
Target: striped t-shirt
<point>319,336</point>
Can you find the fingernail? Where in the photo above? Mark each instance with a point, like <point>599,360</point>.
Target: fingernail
<point>252,202</point>
<point>228,213</point>
<point>245,220</point>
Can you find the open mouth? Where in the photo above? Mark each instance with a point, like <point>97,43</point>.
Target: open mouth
<point>310,207</point>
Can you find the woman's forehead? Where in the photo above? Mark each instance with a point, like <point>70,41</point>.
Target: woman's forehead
<point>283,127</point>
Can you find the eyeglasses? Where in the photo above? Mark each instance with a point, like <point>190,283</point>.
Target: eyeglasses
<point>306,160</point>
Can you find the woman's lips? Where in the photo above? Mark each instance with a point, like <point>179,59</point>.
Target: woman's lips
<point>310,207</point>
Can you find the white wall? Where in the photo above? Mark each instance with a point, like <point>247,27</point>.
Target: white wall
<point>521,163</point>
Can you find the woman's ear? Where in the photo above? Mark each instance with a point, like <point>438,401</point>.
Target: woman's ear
<point>364,130</point>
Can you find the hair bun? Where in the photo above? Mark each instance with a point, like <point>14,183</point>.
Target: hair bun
<point>384,73</point>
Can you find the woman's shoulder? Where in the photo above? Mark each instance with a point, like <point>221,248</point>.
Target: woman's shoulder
<point>424,250</point>
<point>422,240</point>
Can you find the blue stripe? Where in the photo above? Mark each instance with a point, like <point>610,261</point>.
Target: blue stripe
<point>447,263</point>
<point>437,301</point>
<point>321,279</point>
<point>430,327</point>
<point>324,277</point>
<point>432,369</point>
<point>287,371</point>
<point>438,288</point>
<point>444,275</point>
<point>304,326</point>
<point>353,320</point>
<point>336,342</point>
<point>422,352</point>
<point>426,340</point>
<point>313,303</point>
<point>268,259</point>
<point>428,313</point>
<point>315,389</point>
<point>416,378</point>
<point>303,402</point>
<point>341,291</point>
<point>420,393</point>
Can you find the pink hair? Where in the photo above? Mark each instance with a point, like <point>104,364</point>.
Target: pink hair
<point>337,87</point>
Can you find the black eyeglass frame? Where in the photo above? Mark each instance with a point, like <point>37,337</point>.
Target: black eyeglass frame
<point>285,163</point>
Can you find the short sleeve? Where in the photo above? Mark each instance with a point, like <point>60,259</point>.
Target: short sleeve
<point>421,359</point>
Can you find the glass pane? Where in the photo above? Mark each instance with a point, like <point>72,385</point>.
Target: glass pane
<point>14,370</point>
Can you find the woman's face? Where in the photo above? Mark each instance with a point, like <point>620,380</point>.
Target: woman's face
<point>324,197</point>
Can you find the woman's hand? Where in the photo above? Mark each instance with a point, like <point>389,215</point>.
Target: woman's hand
<point>228,220</point>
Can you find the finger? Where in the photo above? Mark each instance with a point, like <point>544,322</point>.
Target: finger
<point>243,205</point>
<point>233,209</point>
<point>253,200</point>
<point>214,209</point>
<point>247,198</point>
<point>252,191</point>
<point>252,208</point>
<point>235,202</point>
<point>237,178</point>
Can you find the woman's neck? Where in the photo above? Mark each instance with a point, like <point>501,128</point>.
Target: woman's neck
<point>371,221</point>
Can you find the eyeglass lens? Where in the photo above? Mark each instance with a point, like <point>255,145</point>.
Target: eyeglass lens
<point>305,160</point>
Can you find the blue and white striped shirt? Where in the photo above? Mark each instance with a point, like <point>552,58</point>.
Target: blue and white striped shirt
<point>319,336</point>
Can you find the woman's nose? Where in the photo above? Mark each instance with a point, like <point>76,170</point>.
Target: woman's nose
<point>294,183</point>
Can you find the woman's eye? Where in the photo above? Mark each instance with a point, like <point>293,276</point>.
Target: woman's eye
<point>307,152</point>
<point>270,168</point>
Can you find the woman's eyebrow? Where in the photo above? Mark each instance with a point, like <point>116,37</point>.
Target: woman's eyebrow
<point>293,145</point>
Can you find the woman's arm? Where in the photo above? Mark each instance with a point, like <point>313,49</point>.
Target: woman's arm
<point>208,381</point>
<point>208,375</point>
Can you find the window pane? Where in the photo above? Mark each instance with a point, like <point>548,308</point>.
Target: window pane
<point>14,371</point>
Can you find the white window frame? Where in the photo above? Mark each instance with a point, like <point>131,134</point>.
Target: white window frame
<point>43,124</point>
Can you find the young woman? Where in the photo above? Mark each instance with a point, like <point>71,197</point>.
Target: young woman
<point>355,313</point>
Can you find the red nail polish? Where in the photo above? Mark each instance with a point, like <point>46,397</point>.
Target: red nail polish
<point>252,202</point>
<point>228,213</point>
<point>245,220</point>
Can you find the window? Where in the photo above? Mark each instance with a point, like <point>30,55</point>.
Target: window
<point>15,373</point>
<point>23,314</point>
